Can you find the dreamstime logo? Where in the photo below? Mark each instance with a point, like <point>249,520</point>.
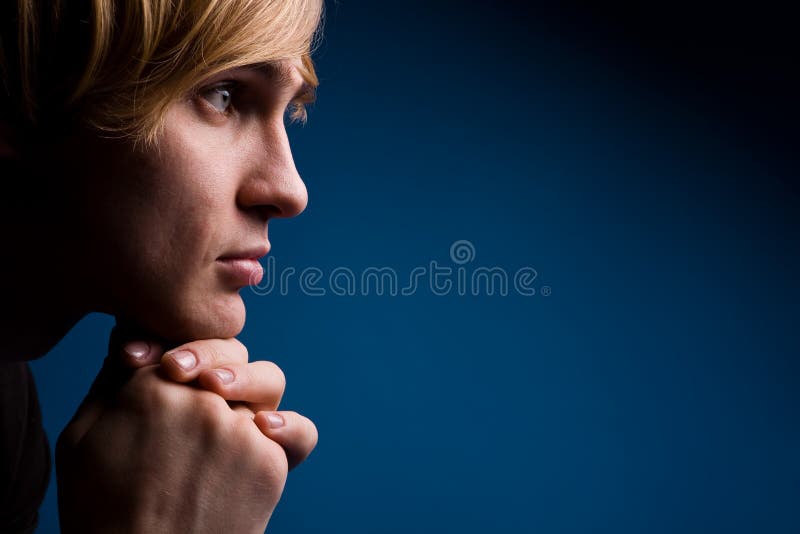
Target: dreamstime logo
<point>439,280</point>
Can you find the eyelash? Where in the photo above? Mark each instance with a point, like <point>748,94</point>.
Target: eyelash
<point>233,87</point>
<point>230,86</point>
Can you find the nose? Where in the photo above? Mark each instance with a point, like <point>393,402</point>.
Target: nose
<point>273,187</point>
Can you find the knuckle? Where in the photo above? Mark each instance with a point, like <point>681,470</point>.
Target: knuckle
<point>144,390</point>
<point>210,405</point>
<point>307,428</point>
<point>210,413</point>
<point>276,373</point>
<point>313,433</point>
<point>239,433</point>
<point>273,464</point>
<point>240,349</point>
<point>268,463</point>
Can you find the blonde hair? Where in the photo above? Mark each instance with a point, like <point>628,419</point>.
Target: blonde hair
<point>135,57</point>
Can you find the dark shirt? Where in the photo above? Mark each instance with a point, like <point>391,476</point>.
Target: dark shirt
<point>24,452</point>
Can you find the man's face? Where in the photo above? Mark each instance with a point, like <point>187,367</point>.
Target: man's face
<point>174,233</point>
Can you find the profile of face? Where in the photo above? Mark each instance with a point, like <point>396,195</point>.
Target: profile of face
<point>168,236</point>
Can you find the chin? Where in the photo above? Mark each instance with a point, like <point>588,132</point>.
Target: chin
<point>222,317</point>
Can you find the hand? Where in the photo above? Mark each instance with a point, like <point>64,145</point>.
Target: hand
<point>145,454</point>
<point>221,366</point>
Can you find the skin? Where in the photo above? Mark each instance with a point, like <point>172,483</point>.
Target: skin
<point>144,235</point>
<point>209,191</point>
<point>145,454</point>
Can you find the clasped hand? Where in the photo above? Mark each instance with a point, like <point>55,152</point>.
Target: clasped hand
<point>183,441</point>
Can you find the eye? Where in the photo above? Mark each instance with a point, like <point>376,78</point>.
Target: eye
<point>220,96</point>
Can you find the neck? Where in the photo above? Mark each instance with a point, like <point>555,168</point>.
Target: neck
<point>42,299</point>
<point>30,332</point>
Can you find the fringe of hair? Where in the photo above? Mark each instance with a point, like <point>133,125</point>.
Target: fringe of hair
<point>117,65</point>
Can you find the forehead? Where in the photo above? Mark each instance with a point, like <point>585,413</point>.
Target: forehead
<point>284,73</point>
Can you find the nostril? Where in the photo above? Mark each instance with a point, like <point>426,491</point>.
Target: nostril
<point>266,212</point>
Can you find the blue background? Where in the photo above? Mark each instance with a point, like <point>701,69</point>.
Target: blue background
<point>655,389</point>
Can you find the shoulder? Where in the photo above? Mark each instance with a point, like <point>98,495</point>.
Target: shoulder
<point>24,451</point>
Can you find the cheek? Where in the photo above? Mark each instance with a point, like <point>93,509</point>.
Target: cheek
<point>171,282</point>
<point>192,220</point>
<point>196,206</point>
<point>182,240</point>
<point>159,222</point>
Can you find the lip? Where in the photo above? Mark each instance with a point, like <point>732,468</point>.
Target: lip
<point>252,253</point>
<point>242,268</point>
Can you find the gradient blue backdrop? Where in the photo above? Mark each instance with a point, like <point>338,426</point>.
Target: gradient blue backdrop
<point>654,390</point>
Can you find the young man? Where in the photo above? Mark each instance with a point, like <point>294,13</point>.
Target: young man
<point>143,150</point>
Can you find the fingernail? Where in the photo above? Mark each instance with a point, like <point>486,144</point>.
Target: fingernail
<point>185,359</point>
<point>275,420</point>
<point>137,349</point>
<point>225,376</point>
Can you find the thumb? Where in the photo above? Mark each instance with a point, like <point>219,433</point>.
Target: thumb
<point>133,346</point>
<point>90,409</point>
<point>116,370</point>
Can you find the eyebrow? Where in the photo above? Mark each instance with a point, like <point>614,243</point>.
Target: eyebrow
<point>281,75</point>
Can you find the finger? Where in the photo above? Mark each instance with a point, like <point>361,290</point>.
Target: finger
<point>133,346</point>
<point>115,371</point>
<point>141,353</point>
<point>260,383</point>
<point>242,408</point>
<point>295,433</point>
<point>185,363</point>
<point>111,376</point>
